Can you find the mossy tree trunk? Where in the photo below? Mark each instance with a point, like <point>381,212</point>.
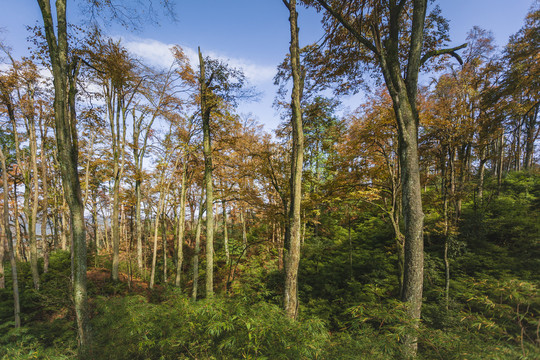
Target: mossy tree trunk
<point>65,73</point>
<point>293,238</point>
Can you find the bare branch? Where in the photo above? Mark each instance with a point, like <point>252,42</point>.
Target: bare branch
<point>451,51</point>
<point>358,36</point>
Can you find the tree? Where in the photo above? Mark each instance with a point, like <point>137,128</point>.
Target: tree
<point>293,234</point>
<point>397,35</point>
<point>18,92</point>
<point>116,73</point>
<point>9,238</point>
<point>65,70</point>
<point>520,82</point>
<point>220,87</point>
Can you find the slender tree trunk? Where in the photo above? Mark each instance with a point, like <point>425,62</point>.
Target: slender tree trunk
<point>28,166</point>
<point>501,161</point>
<point>207,149</point>
<point>19,246</point>
<point>164,245</point>
<point>181,221</point>
<point>164,189</point>
<point>64,227</point>
<point>9,239</point>
<point>2,253</point>
<point>244,233</point>
<point>115,224</point>
<point>138,223</point>
<point>517,139</point>
<point>280,247</point>
<point>156,230</point>
<point>45,200</point>
<point>351,275</point>
<point>32,220</point>
<point>444,190</point>
<point>292,257</point>
<point>197,249</point>
<point>531,135</point>
<point>481,173</point>
<point>225,232</point>
<point>87,169</point>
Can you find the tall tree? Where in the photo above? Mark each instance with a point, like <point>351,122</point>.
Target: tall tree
<point>18,93</point>
<point>521,83</point>
<point>116,73</point>
<point>293,234</point>
<point>220,87</point>
<point>396,35</point>
<point>206,110</point>
<point>65,70</point>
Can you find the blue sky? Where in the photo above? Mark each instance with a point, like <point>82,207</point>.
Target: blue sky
<point>253,34</point>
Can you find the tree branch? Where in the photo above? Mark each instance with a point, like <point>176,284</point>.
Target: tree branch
<point>451,51</point>
<point>361,39</point>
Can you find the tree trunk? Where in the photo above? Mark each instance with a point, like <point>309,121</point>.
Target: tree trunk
<point>63,226</point>
<point>244,233</point>
<point>531,135</point>
<point>197,250</point>
<point>292,257</point>
<point>481,173</point>
<point>444,191</point>
<point>9,239</point>
<point>32,220</point>
<point>138,223</point>
<point>45,200</point>
<point>64,78</point>
<point>115,224</point>
<point>164,245</point>
<point>156,229</point>
<point>28,167</point>
<point>501,161</point>
<point>207,149</point>
<point>181,221</point>
<point>225,232</point>
<point>2,252</point>
<point>19,250</point>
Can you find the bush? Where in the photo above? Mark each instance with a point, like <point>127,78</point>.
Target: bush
<point>131,328</point>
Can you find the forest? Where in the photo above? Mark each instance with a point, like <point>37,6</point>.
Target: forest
<point>145,217</point>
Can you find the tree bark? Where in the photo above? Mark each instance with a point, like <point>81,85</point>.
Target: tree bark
<point>64,79</point>
<point>45,200</point>
<point>197,249</point>
<point>9,239</point>
<point>181,221</point>
<point>207,149</point>
<point>292,257</point>
<point>164,244</point>
<point>225,232</point>
<point>531,136</point>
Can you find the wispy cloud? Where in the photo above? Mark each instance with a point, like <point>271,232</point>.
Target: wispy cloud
<point>158,54</point>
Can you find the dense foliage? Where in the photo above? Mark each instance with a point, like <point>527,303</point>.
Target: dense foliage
<point>406,228</point>
<point>346,313</point>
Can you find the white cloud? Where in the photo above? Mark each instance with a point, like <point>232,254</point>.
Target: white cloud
<point>158,54</point>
